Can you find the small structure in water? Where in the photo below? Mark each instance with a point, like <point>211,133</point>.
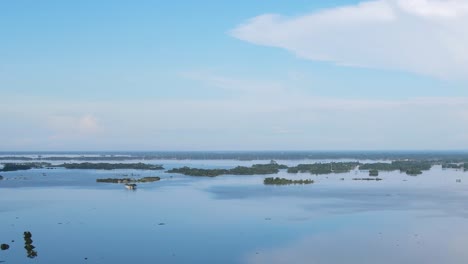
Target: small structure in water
<point>130,186</point>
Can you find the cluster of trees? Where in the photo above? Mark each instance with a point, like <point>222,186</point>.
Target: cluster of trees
<point>256,169</point>
<point>111,166</point>
<point>373,173</point>
<point>283,181</point>
<point>413,171</point>
<point>463,166</point>
<point>261,169</point>
<point>128,180</point>
<point>410,167</point>
<point>324,168</point>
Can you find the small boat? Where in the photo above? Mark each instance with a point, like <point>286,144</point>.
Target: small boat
<point>130,186</point>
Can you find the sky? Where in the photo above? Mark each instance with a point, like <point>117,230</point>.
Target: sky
<point>233,75</point>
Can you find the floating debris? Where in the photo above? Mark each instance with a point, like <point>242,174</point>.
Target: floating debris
<point>130,186</point>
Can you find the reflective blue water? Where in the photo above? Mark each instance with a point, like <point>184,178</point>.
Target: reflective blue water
<point>234,219</point>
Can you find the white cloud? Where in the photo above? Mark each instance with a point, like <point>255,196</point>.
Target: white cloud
<point>72,127</point>
<point>435,8</point>
<point>421,36</point>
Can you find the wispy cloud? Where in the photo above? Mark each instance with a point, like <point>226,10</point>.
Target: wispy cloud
<point>234,84</point>
<point>421,36</point>
<point>286,119</point>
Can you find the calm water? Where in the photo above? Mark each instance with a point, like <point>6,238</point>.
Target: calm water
<point>234,219</point>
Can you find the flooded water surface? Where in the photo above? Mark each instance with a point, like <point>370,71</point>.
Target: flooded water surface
<point>65,216</point>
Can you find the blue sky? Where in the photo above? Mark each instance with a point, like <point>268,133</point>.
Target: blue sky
<point>243,75</point>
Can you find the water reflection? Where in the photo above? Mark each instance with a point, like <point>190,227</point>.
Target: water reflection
<point>31,253</point>
<point>429,243</point>
<point>442,202</point>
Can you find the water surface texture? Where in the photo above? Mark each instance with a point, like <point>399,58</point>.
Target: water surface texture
<point>234,219</point>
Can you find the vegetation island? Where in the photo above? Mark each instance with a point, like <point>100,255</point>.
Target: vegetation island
<point>283,181</point>
<point>411,167</point>
<point>256,169</point>
<point>129,180</point>
<point>324,168</point>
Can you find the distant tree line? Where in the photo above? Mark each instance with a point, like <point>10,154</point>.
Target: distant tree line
<point>24,166</point>
<point>110,166</point>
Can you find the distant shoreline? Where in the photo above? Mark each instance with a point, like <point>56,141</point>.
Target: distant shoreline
<point>233,155</point>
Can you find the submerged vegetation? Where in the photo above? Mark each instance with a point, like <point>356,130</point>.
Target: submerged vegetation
<point>30,252</point>
<point>283,181</point>
<point>367,179</point>
<point>111,166</point>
